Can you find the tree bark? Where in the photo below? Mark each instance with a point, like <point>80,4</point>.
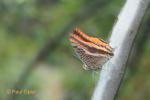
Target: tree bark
<point>121,40</point>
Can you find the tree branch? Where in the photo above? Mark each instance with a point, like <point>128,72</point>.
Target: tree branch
<point>121,40</point>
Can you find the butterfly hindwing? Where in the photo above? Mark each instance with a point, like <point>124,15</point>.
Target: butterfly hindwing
<point>90,62</point>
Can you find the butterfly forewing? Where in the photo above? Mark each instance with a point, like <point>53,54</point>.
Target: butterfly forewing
<point>92,52</point>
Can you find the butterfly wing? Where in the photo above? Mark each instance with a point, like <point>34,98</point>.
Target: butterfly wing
<point>91,62</point>
<point>92,52</point>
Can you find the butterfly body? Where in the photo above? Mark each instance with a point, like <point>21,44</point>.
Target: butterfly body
<point>93,52</point>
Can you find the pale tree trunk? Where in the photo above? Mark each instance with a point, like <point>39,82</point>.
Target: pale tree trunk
<point>121,40</point>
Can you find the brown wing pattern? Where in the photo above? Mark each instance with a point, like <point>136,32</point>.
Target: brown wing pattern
<point>92,51</point>
<point>90,62</point>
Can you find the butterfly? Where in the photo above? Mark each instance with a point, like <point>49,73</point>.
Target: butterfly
<point>93,52</point>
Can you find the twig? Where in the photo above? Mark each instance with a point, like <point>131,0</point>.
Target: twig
<point>121,40</point>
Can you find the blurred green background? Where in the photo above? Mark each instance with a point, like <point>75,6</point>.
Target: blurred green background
<point>35,53</point>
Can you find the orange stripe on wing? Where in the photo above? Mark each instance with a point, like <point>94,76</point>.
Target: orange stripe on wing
<point>88,38</point>
<point>73,41</point>
<point>88,45</point>
<point>92,39</point>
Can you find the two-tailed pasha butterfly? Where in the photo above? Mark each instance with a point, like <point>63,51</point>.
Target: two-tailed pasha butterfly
<point>93,52</point>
